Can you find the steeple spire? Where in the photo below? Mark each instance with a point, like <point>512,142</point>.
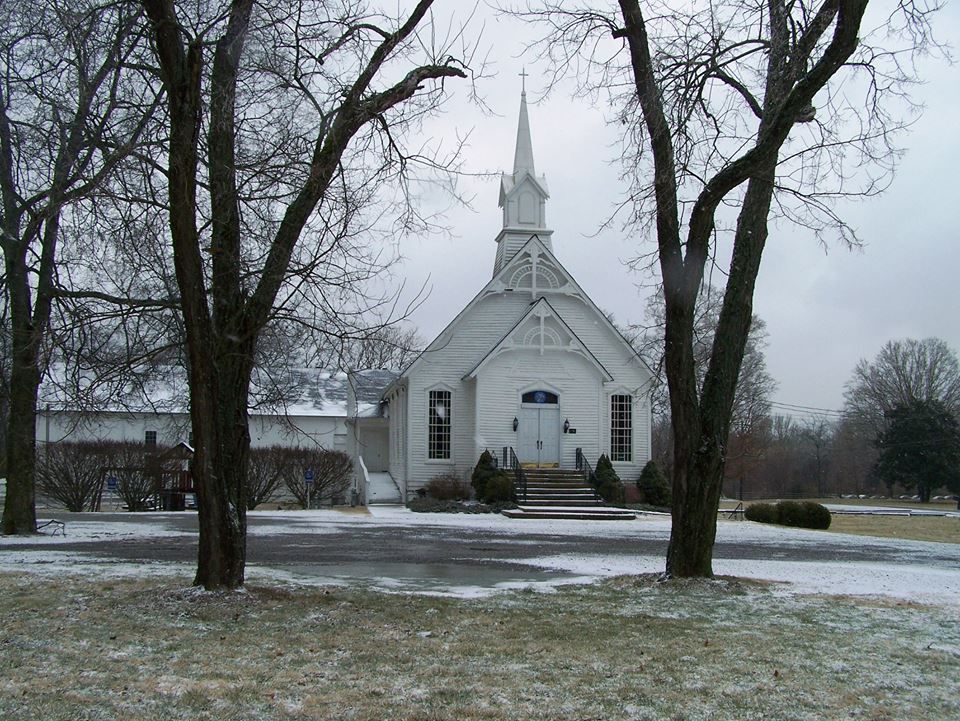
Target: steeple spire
<point>523,197</point>
<point>523,157</point>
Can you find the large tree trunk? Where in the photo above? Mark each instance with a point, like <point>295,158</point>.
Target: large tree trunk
<point>19,510</point>
<point>702,431</point>
<point>219,469</point>
<point>218,394</point>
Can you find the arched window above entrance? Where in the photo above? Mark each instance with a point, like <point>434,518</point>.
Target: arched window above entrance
<point>540,398</point>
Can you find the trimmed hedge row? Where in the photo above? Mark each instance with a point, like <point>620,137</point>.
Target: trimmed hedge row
<point>798,514</point>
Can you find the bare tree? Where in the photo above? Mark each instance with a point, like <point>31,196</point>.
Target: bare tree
<point>302,106</point>
<point>818,434</point>
<point>389,347</point>
<point>732,105</point>
<point>755,385</point>
<point>69,114</point>
<point>903,372</point>
<point>854,455</point>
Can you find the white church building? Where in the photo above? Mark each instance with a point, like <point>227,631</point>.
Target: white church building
<point>530,366</point>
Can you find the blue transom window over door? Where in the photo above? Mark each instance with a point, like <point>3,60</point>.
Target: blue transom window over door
<point>540,398</point>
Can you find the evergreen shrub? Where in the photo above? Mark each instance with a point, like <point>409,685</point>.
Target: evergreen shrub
<point>795,514</point>
<point>791,513</point>
<point>653,486</point>
<point>817,515</point>
<point>607,482</point>
<point>490,483</point>
<point>761,513</point>
<point>499,489</point>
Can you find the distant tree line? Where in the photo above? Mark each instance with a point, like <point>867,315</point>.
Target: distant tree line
<point>895,435</point>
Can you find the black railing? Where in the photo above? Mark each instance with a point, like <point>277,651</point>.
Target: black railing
<point>512,463</point>
<point>583,465</point>
<point>737,513</point>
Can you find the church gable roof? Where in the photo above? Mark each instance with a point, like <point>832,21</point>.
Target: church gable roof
<point>544,330</point>
<point>500,283</point>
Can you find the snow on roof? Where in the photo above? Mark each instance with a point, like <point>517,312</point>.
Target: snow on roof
<point>285,391</point>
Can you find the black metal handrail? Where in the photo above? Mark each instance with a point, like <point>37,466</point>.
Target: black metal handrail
<point>739,512</point>
<point>583,465</point>
<point>511,462</point>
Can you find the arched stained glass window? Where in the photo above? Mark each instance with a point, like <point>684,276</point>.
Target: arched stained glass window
<point>540,397</point>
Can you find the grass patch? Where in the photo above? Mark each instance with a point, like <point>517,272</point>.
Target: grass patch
<point>628,648</point>
<point>730,503</point>
<point>917,528</point>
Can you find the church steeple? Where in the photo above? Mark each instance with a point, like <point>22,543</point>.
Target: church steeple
<point>523,156</point>
<point>523,197</point>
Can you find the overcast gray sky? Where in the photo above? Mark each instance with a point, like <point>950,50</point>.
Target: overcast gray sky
<point>824,309</point>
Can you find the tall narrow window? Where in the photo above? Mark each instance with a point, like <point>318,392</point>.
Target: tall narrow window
<point>150,438</point>
<point>621,428</point>
<point>438,439</point>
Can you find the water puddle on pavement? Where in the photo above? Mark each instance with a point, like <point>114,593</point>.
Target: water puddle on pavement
<point>427,577</point>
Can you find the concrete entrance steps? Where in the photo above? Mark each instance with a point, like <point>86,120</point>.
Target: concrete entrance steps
<point>572,513</point>
<point>382,490</point>
<point>563,494</point>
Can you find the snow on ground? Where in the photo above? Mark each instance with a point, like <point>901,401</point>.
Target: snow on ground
<point>81,531</point>
<point>907,578</point>
<point>909,583</point>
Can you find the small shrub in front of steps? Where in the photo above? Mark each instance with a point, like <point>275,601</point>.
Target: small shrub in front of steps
<point>491,484</point>
<point>607,482</point>
<point>432,505</point>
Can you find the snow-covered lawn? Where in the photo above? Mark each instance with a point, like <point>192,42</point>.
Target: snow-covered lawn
<point>908,577</point>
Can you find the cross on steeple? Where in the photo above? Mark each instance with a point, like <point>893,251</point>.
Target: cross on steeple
<point>523,82</point>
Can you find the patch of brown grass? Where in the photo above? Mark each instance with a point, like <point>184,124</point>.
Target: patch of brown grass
<point>629,648</point>
<point>917,528</point>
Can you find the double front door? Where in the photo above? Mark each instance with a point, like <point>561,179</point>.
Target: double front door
<point>539,434</point>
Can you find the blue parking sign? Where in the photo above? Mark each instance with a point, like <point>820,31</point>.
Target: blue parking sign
<point>308,476</point>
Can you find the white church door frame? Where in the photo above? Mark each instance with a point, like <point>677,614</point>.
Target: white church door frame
<point>538,435</point>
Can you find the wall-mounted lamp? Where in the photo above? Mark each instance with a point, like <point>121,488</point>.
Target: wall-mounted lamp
<point>566,425</point>
<point>516,424</point>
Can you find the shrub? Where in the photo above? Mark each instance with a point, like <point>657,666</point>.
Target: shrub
<point>71,473</point>
<point>266,471</point>
<point>761,513</point>
<point>485,469</point>
<point>817,516</point>
<point>332,474</point>
<point>492,485</point>
<point>499,489</point>
<point>653,485</point>
<point>607,482</point>
<point>448,487</point>
<point>432,505</point>
<point>790,513</point>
